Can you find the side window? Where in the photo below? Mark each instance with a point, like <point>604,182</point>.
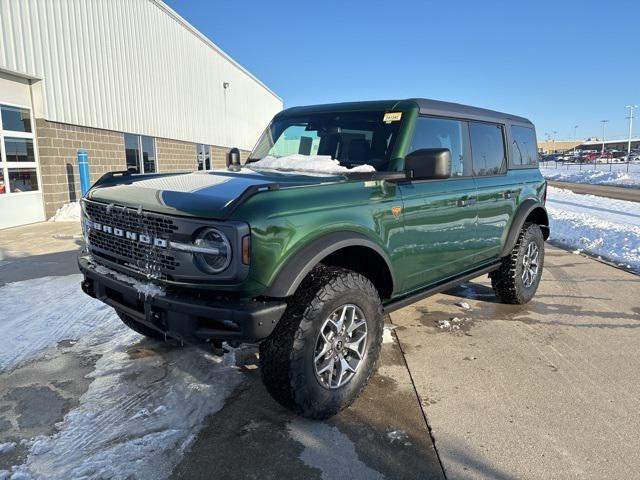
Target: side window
<point>441,133</point>
<point>487,148</point>
<point>524,149</point>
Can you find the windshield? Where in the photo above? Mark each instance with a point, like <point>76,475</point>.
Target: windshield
<point>357,141</point>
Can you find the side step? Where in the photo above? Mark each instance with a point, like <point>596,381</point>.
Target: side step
<point>414,297</point>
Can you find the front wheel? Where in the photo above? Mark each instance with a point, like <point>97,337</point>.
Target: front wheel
<point>324,350</point>
<point>517,279</point>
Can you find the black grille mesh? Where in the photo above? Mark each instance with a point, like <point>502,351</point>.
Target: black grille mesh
<point>147,258</point>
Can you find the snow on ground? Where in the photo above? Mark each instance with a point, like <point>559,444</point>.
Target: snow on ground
<point>307,163</point>
<point>616,178</point>
<point>596,225</point>
<point>69,212</point>
<point>145,404</point>
<point>37,314</point>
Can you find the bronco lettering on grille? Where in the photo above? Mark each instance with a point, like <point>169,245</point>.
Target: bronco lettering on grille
<point>134,236</point>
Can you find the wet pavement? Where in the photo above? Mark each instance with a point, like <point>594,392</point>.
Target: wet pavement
<point>546,390</point>
<point>619,193</point>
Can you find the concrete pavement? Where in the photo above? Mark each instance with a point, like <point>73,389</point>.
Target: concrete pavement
<point>619,193</point>
<point>545,390</point>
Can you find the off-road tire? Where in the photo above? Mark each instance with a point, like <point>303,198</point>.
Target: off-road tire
<point>286,356</point>
<point>141,328</point>
<point>507,281</point>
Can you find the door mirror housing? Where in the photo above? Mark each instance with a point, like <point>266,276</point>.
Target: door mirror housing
<point>428,164</point>
<point>233,158</point>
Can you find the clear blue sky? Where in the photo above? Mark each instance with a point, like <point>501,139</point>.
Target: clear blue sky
<point>559,63</point>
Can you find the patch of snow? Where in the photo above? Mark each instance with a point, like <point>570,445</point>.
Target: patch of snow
<point>7,447</point>
<point>329,450</point>
<point>69,212</point>
<point>596,225</point>
<point>463,305</point>
<point>146,289</point>
<point>139,413</point>
<point>307,163</point>
<point>594,177</point>
<point>444,324</point>
<point>454,323</point>
<point>387,337</point>
<point>399,436</point>
<point>39,313</point>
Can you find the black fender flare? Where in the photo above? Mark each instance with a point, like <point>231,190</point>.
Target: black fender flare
<point>519,218</point>
<point>302,262</point>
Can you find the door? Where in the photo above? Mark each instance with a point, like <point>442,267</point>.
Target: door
<point>496,191</point>
<point>20,185</point>
<point>439,215</point>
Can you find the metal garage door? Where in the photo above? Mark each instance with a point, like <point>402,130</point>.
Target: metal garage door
<point>20,184</point>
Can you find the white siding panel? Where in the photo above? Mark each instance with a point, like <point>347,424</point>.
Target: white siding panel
<point>132,66</point>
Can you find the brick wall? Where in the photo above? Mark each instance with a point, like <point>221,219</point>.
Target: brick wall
<point>174,155</point>
<point>219,156</point>
<point>58,145</point>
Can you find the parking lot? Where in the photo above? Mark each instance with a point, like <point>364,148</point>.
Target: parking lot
<point>467,387</point>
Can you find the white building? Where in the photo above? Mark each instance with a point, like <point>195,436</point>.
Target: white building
<point>129,81</point>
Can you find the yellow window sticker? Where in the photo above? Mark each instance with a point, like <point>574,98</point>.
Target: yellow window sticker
<point>392,117</point>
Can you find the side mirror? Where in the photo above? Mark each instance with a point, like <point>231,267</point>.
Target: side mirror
<point>233,157</point>
<point>428,164</point>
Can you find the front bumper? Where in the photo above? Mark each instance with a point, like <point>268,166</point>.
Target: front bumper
<point>182,315</point>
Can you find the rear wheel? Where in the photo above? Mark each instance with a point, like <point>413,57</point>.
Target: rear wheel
<point>517,279</point>
<point>324,350</point>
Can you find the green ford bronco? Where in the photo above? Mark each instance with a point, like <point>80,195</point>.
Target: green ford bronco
<point>341,214</point>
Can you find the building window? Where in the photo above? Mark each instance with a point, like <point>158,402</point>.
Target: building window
<point>19,150</point>
<point>18,165</point>
<point>140,152</point>
<point>15,119</point>
<point>487,148</point>
<point>204,157</point>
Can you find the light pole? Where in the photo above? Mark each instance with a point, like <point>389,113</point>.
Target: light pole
<point>604,122</point>
<point>575,127</point>
<point>630,117</point>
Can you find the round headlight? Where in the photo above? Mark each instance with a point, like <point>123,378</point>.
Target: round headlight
<point>219,257</point>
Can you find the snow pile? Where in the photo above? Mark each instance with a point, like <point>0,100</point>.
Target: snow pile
<point>599,226</point>
<point>594,177</point>
<point>69,212</point>
<point>307,163</point>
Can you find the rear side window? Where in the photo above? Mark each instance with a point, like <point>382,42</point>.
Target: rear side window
<point>487,148</point>
<point>441,133</point>
<point>524,150</point>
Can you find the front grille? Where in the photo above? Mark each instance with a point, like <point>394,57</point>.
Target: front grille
<point>140,255</point>
<point>129,219</point>
<point>144,257</point>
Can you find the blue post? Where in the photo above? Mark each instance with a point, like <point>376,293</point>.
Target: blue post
<point>83,167</point>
